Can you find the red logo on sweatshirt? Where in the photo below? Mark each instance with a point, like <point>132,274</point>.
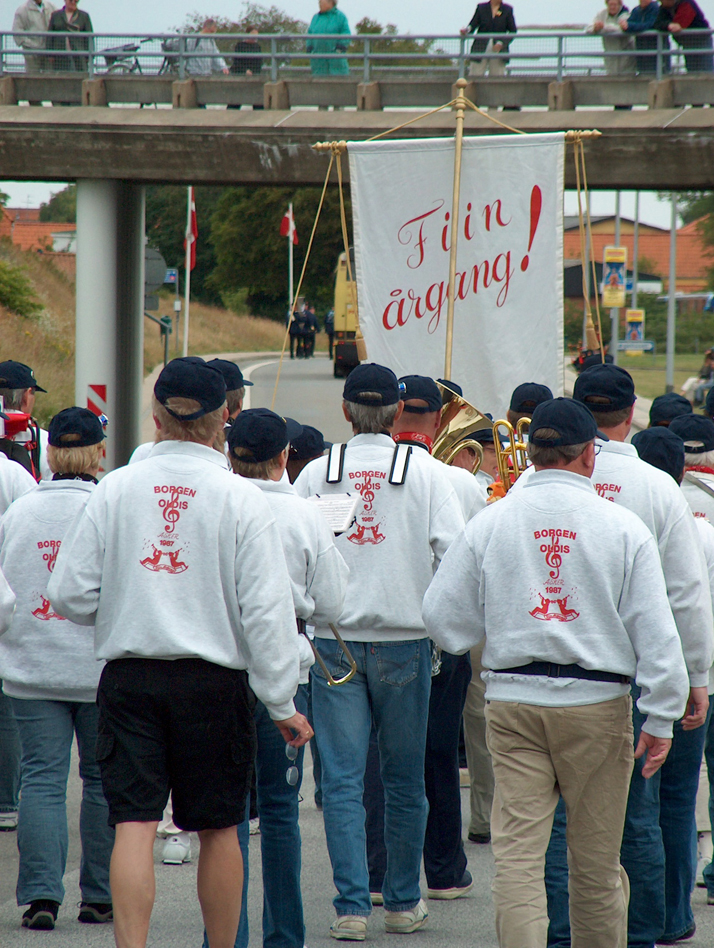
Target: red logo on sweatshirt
<point>166,553</point>
<point>50,549</point>
<point>554,545</point>
<point>369,528</point>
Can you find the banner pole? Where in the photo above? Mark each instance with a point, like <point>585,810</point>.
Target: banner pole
<point>460,105</point>
<point>290,258</point>
<point>189,239</point>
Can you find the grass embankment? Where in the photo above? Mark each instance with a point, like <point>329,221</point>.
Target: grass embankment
<point>649,373</point>
<point>46,341</point>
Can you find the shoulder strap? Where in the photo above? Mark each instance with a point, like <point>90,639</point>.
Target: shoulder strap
<point>16,452</point>
<point>702,485</point>
<point>400,464</point>
<point>335,463</point>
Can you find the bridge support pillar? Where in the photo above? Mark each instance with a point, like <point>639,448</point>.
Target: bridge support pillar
<point>109,360</point>
<point>94,92</point>
<point>369,97</point>
<point>661,94</point>
<point>561,96</point>
<point>183,94</point>
<point>276,95</point>
<point>8,95</point>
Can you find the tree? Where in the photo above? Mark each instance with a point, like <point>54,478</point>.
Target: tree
<point>266,19</point>
<point>61,207</point>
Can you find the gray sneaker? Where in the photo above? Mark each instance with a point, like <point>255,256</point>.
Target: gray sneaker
<point>349,928</point>
<point>408,921</point>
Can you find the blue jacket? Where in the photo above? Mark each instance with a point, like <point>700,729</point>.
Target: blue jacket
<point>642,18</point>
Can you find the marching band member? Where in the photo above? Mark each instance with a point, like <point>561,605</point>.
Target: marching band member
<point>179,566</point>
<point>259,443</point>
<point>406,520</point>
<point>665,408</point>
<point>525,399</point>
<point>697,432</point>
<point>559,711</point>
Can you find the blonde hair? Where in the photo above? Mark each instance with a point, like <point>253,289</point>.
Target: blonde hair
<point>261,470</point>
<point>202,430</point>
<point>85,459</point>
<point>234,399</point>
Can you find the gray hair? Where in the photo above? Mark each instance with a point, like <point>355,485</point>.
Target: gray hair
<point>705,459</point>
<point>368,420</point>
<point>553,457</point>
<point>12,397</point>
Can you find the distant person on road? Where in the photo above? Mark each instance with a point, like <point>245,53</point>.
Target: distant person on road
<point>684,20</point>
<point>608,24</point>
<point>330,328</point>
<point>642,20</point>
<point>311,330</point>
<point>329,20</point>
<point>208,59</point>
<point>493,17</point>
<point>70,21</point>
<point>33,16</point>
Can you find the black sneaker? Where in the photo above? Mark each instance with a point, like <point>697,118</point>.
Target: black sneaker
<point>41,915</point>
<point>456,891</point>
<point>482,838</point>
<point>95,913</point>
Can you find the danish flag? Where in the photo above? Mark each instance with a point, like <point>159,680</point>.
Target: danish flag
<point>192,229</point>
<point>287,227</point>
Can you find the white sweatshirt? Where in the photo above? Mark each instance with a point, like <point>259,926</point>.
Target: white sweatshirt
<point>318,574</point>
<point>15,481</point>
<point>706,535</point>
<point>43,656</point>
<point>400,535</point>
<point>469,493</point>
<point>553,574</point>
<point>7,604</point>
<point>177,558</point>
<point>700,501</point>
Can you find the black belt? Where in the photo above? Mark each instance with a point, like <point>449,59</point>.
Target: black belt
<point>301,626</point>
<point>551,670</point>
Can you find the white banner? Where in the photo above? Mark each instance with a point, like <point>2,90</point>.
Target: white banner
<point>508,322</point>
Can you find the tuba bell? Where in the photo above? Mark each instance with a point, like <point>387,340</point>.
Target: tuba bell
<point>459,420</point>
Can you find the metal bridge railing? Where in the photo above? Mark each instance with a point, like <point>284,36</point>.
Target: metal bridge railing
<point>546,53</point>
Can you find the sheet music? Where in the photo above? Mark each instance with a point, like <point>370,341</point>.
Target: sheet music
<point>338,509</point>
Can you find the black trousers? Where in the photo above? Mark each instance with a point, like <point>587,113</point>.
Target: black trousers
<point>444,856</point>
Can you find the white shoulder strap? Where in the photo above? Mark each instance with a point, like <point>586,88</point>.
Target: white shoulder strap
<point>335,463</point>
<point>400,464</point>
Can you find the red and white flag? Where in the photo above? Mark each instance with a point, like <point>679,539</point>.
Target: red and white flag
<point>192,229</point>
<point>287,226</point>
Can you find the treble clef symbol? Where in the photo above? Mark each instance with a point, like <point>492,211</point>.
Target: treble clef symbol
<point>554,560</point>
<point>171,513</point>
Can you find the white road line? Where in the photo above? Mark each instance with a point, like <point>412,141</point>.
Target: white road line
<point>247,374</point>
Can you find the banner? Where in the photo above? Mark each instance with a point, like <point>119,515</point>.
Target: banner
<point>614,272</point>
<point>508,321</point>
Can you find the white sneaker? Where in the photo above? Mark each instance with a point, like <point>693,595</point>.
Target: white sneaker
<point>349,928</point>
<point>408,921</point>
<point>254,826</point>
<point>702,864</point>
<point>177,850</point>
<point>8,822</point>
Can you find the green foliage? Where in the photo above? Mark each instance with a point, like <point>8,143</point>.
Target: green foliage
<point>4,198</point>
<point>61,207</point>
<point>16,293</point>
<point>371,27</point>
<point>266,19</point>
<point>695,204</point>
<point>251,254</point>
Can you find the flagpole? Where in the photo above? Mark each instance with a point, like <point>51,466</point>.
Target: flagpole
<point>460,106</point>
<point>291,239</point>
<point>189,240</point>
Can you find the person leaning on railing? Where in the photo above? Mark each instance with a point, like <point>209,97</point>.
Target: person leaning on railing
<point>66,23</point>
<point>33,16</point>
<point>492,17</point>
<point>686,23</point>
<point>640,21</point>
<point>329,20</point>
<point>608,24</point>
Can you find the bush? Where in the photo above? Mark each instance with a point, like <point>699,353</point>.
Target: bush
<point>16,293</point>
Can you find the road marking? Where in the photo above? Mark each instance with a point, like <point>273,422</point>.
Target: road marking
<point>247,374</point>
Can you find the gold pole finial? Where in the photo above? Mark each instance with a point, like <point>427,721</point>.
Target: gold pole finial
<point>334,148</point>
<point>461,84</point>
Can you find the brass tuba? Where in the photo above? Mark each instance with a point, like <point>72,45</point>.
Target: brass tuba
<point>513,459</point>
<point>459,420</point>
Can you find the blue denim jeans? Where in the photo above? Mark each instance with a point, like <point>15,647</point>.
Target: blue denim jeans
<point>659,821</point>
<point>709,757</point>
<point>47,729</point>
<point>9,757</point>
<point>392,685</point>
<point>283,923</point>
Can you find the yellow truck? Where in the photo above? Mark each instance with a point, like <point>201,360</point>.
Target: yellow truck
<point>344,346</point>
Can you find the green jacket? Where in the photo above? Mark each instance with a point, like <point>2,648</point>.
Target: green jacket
<point>334,21</point>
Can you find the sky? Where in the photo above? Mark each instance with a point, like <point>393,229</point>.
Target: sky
<point>410,16</point>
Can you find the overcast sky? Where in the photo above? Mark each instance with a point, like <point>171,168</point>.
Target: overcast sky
<point>410,16</point>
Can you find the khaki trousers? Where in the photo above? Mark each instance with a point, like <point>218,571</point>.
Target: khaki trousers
<point>477,755</point>
<point>586,754</point>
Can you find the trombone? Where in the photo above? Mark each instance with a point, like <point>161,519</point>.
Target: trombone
<point>459,420</point>
<point>513,459</point>
<point>333,682</point>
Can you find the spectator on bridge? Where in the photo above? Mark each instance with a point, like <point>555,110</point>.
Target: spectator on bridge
<point>492,17</point>
<point>329,20</point>
<point>608,24</point>
<point>247,63</point>
<point>208,59</point>
<point>641,22</point>
<point>69,21</point>
<point>33,16</point>
<point>686,23</point>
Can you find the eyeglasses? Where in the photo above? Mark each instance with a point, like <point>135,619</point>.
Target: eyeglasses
<point>597,448</point>
<point>292,774</point>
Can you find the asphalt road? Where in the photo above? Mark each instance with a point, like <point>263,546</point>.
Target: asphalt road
<point>309,393</point>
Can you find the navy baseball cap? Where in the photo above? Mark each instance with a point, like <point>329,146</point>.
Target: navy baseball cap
<point>81,423</point>
<point>18,375</point>
<point>604,381</point>
<point>661,448</point>
<point>667,407</point>
<point>452,387</point>
<point>423,388</point>
<point>262,432</point>
<point>230,372</point>
<point>193,378</point>
<point>373,385</point>
<point>595,359</point>
<point>573,422</point>
<point>709,403</point>
<point>309,444</point>
<point>527,396</point>
<point>697,432</point>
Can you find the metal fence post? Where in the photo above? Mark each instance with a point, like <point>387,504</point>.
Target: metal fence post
<point>181,58</point>
<point>91,50</point>
<point>462,57</point>
<point>273,59</point>
<point>366,72</point>
<point>559,63</point>
<point>2,53</point>
<point>660,46</point>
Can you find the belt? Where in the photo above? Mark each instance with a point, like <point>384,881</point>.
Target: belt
<point>301,626</point>
<point>551,670</point>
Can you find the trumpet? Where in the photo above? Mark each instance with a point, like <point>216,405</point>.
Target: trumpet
<point>513,459</point>
<point>459,420</point>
